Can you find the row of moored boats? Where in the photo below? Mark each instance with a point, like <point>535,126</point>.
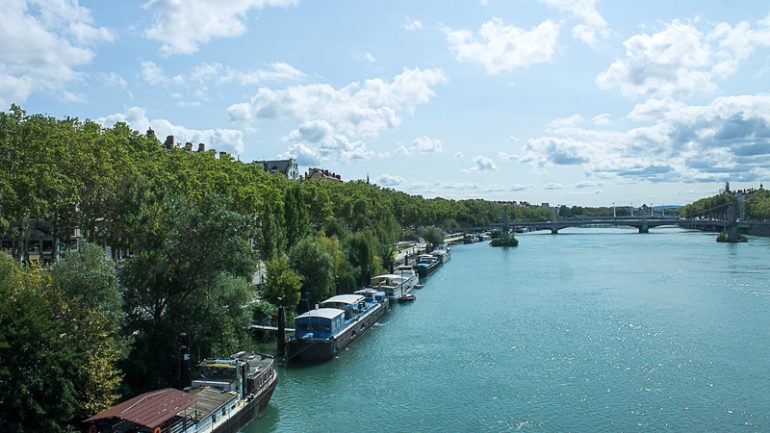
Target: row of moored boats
<point>323,332</point>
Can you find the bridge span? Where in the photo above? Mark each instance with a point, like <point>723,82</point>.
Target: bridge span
<point>642,224</point>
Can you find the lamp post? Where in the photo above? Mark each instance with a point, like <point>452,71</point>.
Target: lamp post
<point>614,215</point>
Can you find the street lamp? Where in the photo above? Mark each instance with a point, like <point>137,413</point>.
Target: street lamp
<point>614,215</point>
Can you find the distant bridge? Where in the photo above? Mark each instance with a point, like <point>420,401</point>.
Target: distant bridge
<point>642,224</point>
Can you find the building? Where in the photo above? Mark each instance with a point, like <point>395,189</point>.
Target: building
<point>322,175</point>
<point>287,167</point>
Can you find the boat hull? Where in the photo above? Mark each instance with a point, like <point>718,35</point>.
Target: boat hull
<point>425,270</point>
<point>252,410</point>
<point>313,350</point>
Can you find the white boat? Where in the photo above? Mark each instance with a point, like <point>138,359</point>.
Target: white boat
<point>444,253</point>
<point>409,274</point>
<point>395,285</point>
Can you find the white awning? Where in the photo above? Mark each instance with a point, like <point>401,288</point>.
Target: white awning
<point>344,299</point>
<point>323,313</point>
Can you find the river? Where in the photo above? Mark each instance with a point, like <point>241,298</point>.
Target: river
<point>590,330</point>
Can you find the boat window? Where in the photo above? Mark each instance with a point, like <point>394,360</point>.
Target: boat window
<point>322,326</point>
<point>304,326</point>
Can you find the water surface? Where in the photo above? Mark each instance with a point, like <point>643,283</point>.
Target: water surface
<point>590,330</point>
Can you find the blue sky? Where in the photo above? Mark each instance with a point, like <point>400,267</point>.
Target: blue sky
<point>563,101</point>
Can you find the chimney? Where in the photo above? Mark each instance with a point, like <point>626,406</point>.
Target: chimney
<point>201,147</point>
<point>150,133</point>
<point>188,146</point>
<point>169,143</point>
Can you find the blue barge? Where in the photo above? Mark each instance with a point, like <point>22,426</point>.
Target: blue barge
<point>321,334</point>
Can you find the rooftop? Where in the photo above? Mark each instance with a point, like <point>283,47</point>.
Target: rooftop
<point>344,299</point>
<point>323,313</point>
<point>150,409</point>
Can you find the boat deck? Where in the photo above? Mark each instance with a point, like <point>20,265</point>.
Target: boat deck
<point>210,399</point>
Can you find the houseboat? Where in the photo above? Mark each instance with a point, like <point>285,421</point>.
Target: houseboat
<point>427,264</point>
<point>444,253</point>
<point>230,393</point>
<point>321,334</point>
<point>397,284</point>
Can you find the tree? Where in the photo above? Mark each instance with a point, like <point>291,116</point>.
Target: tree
<point>295,214</point>
<point>433,236</point>
<point>282,286</point>
<point>89,276</point>
<point>177,288</point>
<point>95,313</point>
<point>362,255</point>
<point>316,268</point>
<point>37,393</point>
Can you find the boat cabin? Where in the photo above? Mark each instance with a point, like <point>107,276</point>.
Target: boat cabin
<point>372,295</point>
<point>426,258</point>
<point>319,323</point>
<point>387,280</point>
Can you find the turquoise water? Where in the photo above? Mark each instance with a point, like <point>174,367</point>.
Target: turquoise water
<point>600,330</point>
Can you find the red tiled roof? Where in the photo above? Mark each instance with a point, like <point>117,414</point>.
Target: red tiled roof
<point>150,409</point>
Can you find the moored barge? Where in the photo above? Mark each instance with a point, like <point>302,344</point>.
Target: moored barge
<point>231,392</point>
<point>321,334</point>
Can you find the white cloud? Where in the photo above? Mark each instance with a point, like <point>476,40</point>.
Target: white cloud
<point>683,60</point>
<point>513,139</point>
<point>726,139</point>
<point>494,188</point>
<point>507,156</point>
<point>500,47</point>
<point>228,140</point>
<point>113,79</point>
<point>552,186</point>
<point>588,184</point>
<point>602,119</point>
<point>192,89</point>
<point>369,57</point>
<point>593,26</point>
<point>388,180</point>
<point>411,24</point>
<point>566,122</point>
<point>482,164</point>
<point>305,155</point>
<point>152,74</point>
<point>518,187</point>
<point>219,74</point>
<point>459,155</point>
<point>462,186</point>
<point>338,122</point>
<point>181,26</point>
<point>43,42</point>
<point>427,144</point>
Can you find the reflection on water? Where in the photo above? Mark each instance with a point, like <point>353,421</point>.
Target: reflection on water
<point>587,330</point>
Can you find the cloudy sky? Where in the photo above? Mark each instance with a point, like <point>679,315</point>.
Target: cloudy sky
<point>563,101</point>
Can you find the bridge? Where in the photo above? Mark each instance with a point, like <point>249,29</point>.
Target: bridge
<point>643,223</point>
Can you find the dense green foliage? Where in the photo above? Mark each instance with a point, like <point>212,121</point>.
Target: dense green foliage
<point>757,205</point>
<point>283,284</point>
<point>316,268</point>
<point>59,347</point>
<point>709,207</point>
